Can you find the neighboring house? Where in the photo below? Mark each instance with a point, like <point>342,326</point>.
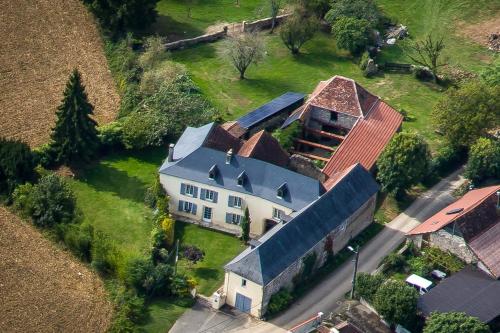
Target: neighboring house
<point>471,291</point>
<point>468,228</point>
<point>267,117</point>
<point>211,177</point>
<point>342,111</point>
<point>272,262</point>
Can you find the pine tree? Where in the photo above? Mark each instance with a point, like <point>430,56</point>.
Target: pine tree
<point>245,226</point>
<point>75,134</point>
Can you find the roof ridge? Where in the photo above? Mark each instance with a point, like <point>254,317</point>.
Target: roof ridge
<point>357,99</point>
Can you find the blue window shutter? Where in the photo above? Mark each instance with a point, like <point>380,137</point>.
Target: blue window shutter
<point>193,209</point>
<point>230,201</point>
<point>215,197</point>
<point>181,205</point>
<point>195,192</point>
<point>229,218</point>
<point>202,194</point>
<point>183,188</point>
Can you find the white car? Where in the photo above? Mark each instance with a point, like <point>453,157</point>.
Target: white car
<point>422,285</point>
<point>438,274</point>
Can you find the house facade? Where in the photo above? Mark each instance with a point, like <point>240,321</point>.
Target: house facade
<point>213,187</point>
<point>469,228</point>
<point>276,259</point>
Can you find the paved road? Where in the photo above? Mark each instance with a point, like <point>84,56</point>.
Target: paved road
<point>325,297</point>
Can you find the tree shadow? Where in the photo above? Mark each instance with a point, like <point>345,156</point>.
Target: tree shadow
<point>173,30</point>
<point>206,273</point>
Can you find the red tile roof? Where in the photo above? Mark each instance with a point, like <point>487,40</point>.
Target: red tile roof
<point>234,129</point>
<point>463,206</point>
<point>342,95</point>
<point>366,141</point>
<point>263,146</point>
<point>487,248</point>
<point>220,139</point>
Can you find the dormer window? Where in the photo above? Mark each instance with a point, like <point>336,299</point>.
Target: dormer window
<point>281,192</point>
<point>242,178</point>
<point>212,173</point>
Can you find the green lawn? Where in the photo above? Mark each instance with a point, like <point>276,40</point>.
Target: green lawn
<point>110,195</point>
<point>173,20</point>
<point>219,249</point>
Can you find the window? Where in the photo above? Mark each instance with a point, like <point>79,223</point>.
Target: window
<point>190,190</point>
<point>233,218</point>
<point>243,282</point>
<point>188,206</point>
<point>241,178</point>
<point>207,214</point>
<point>278,214</point>
<point>334,116</point>
<point>209,195</point>
<point>281,192</point>
<point>234,202</point>
<point>212,173</point>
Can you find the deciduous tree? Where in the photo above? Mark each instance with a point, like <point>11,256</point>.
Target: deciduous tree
<point>75,134</point>
<point>359,9</point>
<point>403,163</point>
<point>454,322</point>
<point>297,30</point>
<point>351,33</point>
<point>244,50</point>
<point>396,302</point>
<point>275,6</point>
<point>428,53</point>
<point>484,160</point>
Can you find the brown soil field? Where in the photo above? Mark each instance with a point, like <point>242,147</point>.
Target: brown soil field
<point>42,41</point>
<point>43,288</point>
<point>480,31</point>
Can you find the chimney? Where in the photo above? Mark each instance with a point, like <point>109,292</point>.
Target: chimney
<point>170,157</point>
<point>229,156</point>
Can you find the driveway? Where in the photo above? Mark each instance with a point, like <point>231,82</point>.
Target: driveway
<point>326,297</point>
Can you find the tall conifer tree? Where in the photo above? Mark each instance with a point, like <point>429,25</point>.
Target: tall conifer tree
<point>75,134</point>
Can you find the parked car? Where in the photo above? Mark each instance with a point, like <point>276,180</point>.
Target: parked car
<point>422,285</point>
<point>437,274</point>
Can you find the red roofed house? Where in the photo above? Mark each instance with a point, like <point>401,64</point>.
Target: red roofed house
<point>340,109</point>
<point>468,228</point>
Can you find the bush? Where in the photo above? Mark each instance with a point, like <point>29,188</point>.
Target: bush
<point>105,257</point>
<point>279,301</point>
<point>396,302</point>
<point>148,279</point>
<point>153,79</point>
<point>358,9</point>
<point>130,310</point>
<point>484,160</point>
<point>394,262</point>
<point>444,260</point>
<point>297,30</point>
<point>419,266</point>
<point>154,52</point>
<point>454,322</point>
<point>168,227</point>
<point>159,246</point>
<point>491,74</point>
<point>351,34</point>
<point>16,164</point>
<point>364,60</point>
<point>446,160</point>
<point>182,285</point>
<point>45,155</point>
<point>110,135</point>
<point>130,101</point>
<point>78,238</point>
<point>367,285</point>
<point>23,200</point>
<point>287,135</point>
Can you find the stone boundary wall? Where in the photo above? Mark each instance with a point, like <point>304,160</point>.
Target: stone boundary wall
<point>212,37</point>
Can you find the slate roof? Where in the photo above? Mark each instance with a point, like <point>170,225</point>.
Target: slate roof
<point>263,146</point>
<point>463,206</point>
<point>471,291</point>
<point>286,243</point>
<point>487,248</point>
<point>270,109</point>
<point>366,141</point>
<point>263,178</point>
<point>210,135</point>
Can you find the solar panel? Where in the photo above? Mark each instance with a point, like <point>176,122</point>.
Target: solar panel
<point>265,111</point>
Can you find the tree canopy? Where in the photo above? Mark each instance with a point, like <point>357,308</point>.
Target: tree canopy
<point>245,49</point>
<point>359,9</point>
<point>74,137</point>
<point>297,30</point>
<point>351,33</point>
<point>484,160</point>
<point>245,226</point>
<point>467,113</point>
<point>396,302</point>
<point>403,163</point>
<point>428,53</point>
<point>454,322</point>
<point>16,164</point>
<point>367,285</point>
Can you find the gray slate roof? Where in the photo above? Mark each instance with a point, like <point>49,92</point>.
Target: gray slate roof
<point>286,243</point>
<point>471,291</point>
<point>191,139</point>
<point>263,179</point>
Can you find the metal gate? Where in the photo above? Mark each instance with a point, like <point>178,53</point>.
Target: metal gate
<point>243,303</point>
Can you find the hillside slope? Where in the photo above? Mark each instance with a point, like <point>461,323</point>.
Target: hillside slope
<point>44,289</point>
<point>42,41</point>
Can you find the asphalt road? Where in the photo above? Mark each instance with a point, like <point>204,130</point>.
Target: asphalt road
<point>326,296</point>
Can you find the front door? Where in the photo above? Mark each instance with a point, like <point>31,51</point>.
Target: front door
<point>243,303</point>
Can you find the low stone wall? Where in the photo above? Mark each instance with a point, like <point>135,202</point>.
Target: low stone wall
<point>208,38</point>
<point>263,23</point>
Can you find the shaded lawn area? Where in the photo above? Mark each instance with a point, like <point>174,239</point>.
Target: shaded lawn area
<point>174,23</point>
<point>281,72</point>
<point>219,249</point>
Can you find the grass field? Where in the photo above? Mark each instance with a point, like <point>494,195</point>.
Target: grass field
<point>42,42</point>
<point>110,195</point>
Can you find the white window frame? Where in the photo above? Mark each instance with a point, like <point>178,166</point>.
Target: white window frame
<point>205,208</point>
<point>237,202</point>
<point>189,190</point>
<point>277,214</point>
<point>236,219</point>
<point>209,195</point>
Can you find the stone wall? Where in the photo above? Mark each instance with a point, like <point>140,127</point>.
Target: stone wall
<point>208,38</point>
<point>453,244</point>
<point>341,236</point>
<point>324,116</point>
<point>306,167</point>
<point>263,24</point>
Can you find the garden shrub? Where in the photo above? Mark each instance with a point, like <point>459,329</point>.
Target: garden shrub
<point>396,302</point>
<point>359,9</point>
<point>419,266</point>
<point>130,100</point>
<point>154,52</point>
<point>147,278</point>
<point>182,285</point>
<point>78,238</point>
<point>394,262</point>
<point>279,301</point>
<point>446,160</point>
<point>287,135</point>
<point>367,285</point>
<point>110,135</point>
<point>22,199</point>
<point>443,260</point>
<point>45,155</point>
<point>168,227</point>
<point>16,164</point>
<point>159,245</point>
<point>364,60</point>
<point>454,322</point>
<point>130,310</point>
<point>105,257</point>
